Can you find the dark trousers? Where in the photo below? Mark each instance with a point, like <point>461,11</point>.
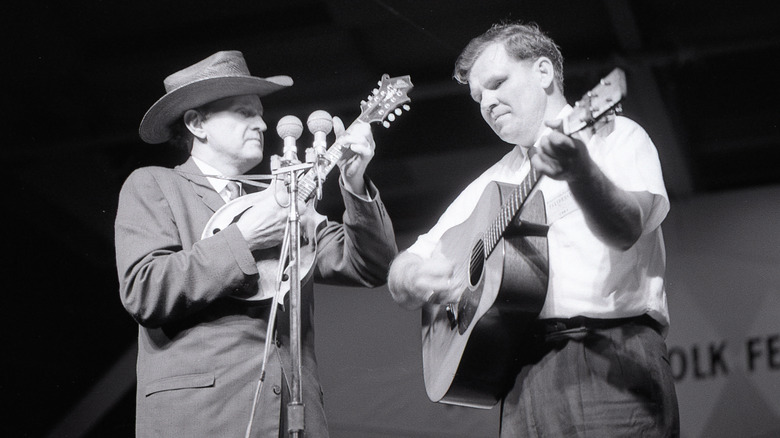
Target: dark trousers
<point>591,378</point>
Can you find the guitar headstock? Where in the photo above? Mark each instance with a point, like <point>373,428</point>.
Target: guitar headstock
<point>603,99</point>
<point>386,102</point>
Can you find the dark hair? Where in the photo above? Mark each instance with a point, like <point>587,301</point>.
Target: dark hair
<point>181,137</point>
<point>522,41</point>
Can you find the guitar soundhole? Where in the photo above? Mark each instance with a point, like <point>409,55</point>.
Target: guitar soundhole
<point>477,263</point>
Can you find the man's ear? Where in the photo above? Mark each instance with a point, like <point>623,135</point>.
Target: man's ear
<point>546,71</point>
<point>193,120</point>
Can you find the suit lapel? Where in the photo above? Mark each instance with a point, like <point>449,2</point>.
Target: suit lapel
<point>200,184</point>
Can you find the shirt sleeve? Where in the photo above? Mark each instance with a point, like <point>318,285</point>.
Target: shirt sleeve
<point>630,159</point>
<point>457,212</point>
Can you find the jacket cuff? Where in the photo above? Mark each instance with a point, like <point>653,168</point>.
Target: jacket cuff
<point>239,249</point>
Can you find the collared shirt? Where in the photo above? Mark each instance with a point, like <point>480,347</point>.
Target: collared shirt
<point>587,277</point>
<point>219,184</point>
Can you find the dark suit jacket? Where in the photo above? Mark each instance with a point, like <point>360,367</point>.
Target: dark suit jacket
<point>200,350</point>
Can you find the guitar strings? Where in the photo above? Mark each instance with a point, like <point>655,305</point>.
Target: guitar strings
<point>498,226</point>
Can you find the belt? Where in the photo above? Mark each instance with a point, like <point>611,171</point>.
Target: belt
<point>553,325</point>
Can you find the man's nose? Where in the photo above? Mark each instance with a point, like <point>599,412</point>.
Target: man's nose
<point>260,123</point>
<point>488,101</point>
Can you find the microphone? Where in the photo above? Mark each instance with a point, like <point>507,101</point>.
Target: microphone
<point>320,124</point>
<point>289,129</point>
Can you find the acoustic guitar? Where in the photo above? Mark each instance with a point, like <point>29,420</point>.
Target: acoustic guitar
<point>382,105</point>
<point>471,348</point>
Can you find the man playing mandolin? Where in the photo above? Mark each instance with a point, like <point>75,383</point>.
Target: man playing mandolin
<point>201,342</point>
<point>590,360</point>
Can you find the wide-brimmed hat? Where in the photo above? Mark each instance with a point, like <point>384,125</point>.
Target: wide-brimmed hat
<point>223,74</point>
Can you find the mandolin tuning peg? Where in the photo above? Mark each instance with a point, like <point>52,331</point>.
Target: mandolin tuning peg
<point>391,117</point>
<point>386,124</point>
<point>398,111</point>
<point>407,107</point>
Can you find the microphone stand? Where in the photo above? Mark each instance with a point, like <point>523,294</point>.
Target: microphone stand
<point>289,128</point>
<point>295,411</point>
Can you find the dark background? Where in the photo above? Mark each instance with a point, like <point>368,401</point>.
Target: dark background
<point>701,79</point>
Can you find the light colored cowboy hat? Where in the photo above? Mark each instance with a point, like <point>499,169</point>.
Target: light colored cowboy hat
<point>223,74</point>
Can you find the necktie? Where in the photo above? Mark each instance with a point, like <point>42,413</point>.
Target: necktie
<point>233,190</point>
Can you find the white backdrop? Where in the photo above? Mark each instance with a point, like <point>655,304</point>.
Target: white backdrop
<point>723,283</point>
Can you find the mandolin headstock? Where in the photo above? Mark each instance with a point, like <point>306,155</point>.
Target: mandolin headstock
<point>387,101</point>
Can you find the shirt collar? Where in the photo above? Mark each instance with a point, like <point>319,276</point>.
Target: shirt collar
<point>217,183</point>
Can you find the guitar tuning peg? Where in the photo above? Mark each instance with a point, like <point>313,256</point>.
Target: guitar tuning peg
<point>386,124</point>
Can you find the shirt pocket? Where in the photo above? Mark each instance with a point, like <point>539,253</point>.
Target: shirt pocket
<point>202,380</point>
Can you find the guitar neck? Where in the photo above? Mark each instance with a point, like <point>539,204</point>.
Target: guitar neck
<point>509,210</point>
<point>578,119</point>
<point>591,111</point>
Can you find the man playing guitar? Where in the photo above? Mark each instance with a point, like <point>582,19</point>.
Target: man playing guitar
<point>591,359</point>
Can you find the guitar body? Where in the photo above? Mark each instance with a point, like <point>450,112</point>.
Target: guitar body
<point>470,356</point>
<point>267,260</point>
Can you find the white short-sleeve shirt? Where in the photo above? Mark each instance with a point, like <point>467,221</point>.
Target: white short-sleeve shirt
<point>587,277</point>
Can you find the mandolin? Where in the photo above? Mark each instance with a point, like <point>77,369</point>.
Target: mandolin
<point>381,106</point>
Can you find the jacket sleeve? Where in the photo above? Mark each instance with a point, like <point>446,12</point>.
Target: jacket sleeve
<point>164,273</point>
<point>359,251</point>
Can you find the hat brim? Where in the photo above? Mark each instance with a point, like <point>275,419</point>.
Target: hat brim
<point>156,123</point>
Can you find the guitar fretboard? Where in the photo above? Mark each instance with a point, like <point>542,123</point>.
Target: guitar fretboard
<point>509,210</point>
